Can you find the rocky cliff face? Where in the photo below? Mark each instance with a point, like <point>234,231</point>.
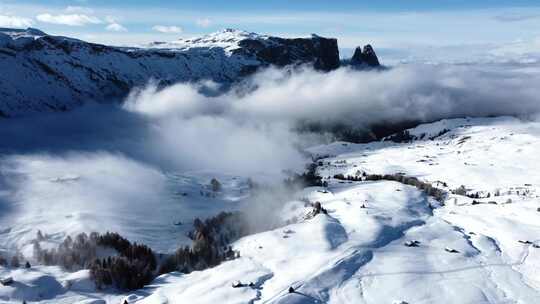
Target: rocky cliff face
<point>322,52</point>
<point>365,57</point>
<point>51,73</point>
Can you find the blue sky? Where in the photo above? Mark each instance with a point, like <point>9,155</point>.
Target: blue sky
<point>399,28</point>
<point>301,5</point>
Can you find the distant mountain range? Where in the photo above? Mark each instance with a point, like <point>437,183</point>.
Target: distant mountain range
<point>54,73</point>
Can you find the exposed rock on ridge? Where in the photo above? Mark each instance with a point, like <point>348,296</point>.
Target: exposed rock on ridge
<point>365,57</point>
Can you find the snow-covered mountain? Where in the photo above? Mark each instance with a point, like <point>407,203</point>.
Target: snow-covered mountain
<point>381,241</point>
<point>41,72</point>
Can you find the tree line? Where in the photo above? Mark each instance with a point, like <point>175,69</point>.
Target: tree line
<point>425,187</point>
<point>136,265</point>
<point>132,268</point>
<point>211,239</point>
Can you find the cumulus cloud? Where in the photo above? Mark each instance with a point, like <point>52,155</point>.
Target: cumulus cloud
<point>69,19</point>
<point>116,27</point>
<point>204,22</point>
<point>167,29</point>
<point>15,21</point>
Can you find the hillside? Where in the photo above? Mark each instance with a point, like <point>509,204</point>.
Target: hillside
<point>476,245</point>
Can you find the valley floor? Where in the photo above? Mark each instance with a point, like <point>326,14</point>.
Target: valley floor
<point>459,251</point>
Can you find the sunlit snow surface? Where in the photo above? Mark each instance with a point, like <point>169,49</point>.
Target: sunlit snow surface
<point>228,39</point>
<point>353,254</point>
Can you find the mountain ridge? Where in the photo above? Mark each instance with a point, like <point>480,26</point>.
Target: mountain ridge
<point>56,73</point>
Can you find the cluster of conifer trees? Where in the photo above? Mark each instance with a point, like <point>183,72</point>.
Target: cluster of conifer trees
<point>307,179</point>
<point>14,262</point>
<point>132,269</point>
<point>72,254</point>
<point>210,243</point>
<point>135,265</point>
<point>427,188</point>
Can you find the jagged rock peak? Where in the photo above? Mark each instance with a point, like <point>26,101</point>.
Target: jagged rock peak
<point>357,56</point>
<point>365,57</point>
<point>369,56</point>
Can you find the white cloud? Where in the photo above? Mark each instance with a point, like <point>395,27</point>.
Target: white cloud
<point>79,9</point>
<point>356,98</point>
<point>69,19</point>
<point>115,27</point>
<point>204,22</point>
<point>167,29</point>
<point>14,21</point>
<point>246,126</point>
<point>111,19</point>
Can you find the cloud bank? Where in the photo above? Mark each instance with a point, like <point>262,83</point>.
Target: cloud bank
<point>252,129</point>
<point>69,19</point>
<point>355,98</point>
<point>15,21</point>
<point>167,29</point>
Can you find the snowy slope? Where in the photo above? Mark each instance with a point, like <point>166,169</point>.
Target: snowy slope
<point>106,192</point>
<point>228,39</point>
<point>483,154</point>
<point>355,253</point>
<point>467,253</point>
<point>52,73</point>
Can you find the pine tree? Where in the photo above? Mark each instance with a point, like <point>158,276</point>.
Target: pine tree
<point>39,236</point>
<point>215,184</point>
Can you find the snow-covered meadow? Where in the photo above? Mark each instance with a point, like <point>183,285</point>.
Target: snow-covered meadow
<point>485,252</point>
